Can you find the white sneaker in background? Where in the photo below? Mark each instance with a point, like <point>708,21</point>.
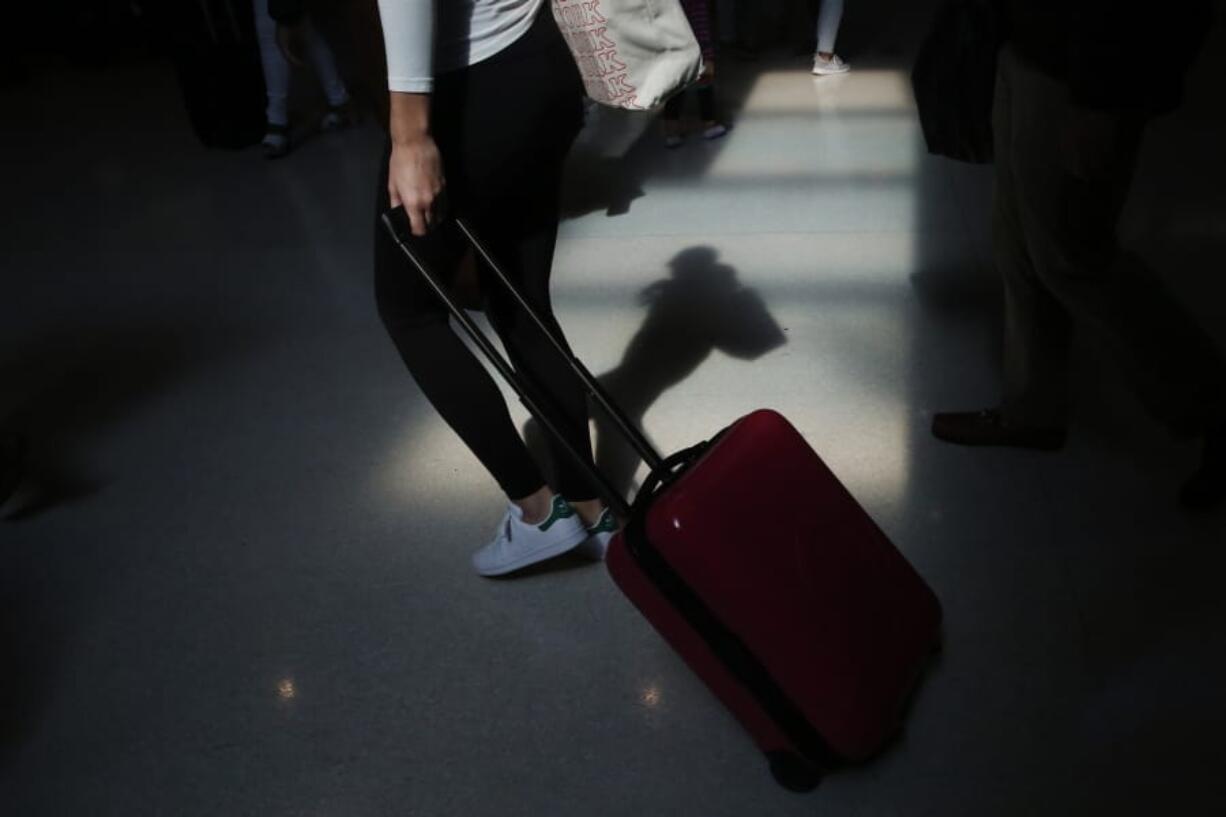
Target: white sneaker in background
<point>824,67</point>
<point>598,537</point>
<point>518,544</point>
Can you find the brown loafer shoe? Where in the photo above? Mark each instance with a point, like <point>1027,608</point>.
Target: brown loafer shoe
<point>988,427</point>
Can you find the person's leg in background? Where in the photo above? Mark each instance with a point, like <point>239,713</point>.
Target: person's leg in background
<point>829,18</point>
<point>700,15</point>
<point>324,62</point>
<point>708,111</point>
<point>670,121</point>
<point>1078,171</point>
<point>1177,371</point>
<point>276,82</point>
<point>1038,330</point>
<point>1070,170</point>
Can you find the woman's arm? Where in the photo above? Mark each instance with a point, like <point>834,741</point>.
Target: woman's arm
<point>415,173</point>
<point>408,40</point>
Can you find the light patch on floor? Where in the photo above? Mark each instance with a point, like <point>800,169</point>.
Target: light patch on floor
<point>841,298</point>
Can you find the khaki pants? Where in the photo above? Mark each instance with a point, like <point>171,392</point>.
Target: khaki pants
<point>1062,177</point>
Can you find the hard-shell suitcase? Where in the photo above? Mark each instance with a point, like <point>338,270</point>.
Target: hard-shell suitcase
<point>755,563</point>
<point>779,590</point>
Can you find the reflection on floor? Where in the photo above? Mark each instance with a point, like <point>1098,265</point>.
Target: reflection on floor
<point>244,587</point>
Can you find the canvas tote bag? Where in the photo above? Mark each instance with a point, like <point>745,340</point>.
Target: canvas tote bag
<point>632,54</point>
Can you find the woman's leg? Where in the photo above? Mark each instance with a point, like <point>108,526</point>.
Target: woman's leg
<point>828,20</point>
<point>672,108</point>
<point>670,120</point>
<point>324,62</point>
<point>525,248</point>
<point>452,380</point>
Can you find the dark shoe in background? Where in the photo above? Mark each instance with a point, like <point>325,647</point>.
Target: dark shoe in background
<point>989,427</point>
<point>337,118</point>
<point>276,142</point>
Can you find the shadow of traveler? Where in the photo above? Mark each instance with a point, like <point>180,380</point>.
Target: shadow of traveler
<point>700,308</point>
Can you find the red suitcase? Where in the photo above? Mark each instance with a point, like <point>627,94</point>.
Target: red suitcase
<point>776,587</point>
<point>755,563</point>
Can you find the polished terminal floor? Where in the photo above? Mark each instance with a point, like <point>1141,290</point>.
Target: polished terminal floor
<point>237,581</point>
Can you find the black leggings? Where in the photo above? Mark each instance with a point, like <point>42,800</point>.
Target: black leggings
<point>503,127</point>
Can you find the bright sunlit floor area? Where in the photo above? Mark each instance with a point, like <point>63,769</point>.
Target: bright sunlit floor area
<point>243,585</point>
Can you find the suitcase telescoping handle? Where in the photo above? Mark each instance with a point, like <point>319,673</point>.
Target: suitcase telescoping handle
<point>397,224</point>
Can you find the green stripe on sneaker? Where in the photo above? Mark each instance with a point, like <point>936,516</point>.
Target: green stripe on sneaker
<point>561,510</point>
<point>606,524</point>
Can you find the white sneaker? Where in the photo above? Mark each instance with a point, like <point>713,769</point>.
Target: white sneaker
<point>518,544</point>
<point>598,537</point>
<point>824,67</point>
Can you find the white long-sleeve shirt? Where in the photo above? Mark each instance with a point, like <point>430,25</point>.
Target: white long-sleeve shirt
<point>424,38</point>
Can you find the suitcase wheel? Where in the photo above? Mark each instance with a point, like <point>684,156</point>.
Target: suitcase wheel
<point>793,772</point>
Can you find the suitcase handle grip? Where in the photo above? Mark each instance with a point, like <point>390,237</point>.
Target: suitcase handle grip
<point>668,471</point>
<point>397,224</point>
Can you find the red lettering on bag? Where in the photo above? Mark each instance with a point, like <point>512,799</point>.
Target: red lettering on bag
<point>600,39</point>
<point>593,12</point>
<point>604,73</point>
<point>618,86</point>
<point>609,63</point>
